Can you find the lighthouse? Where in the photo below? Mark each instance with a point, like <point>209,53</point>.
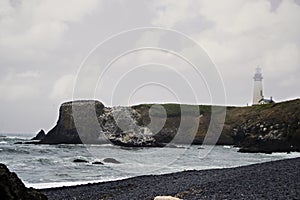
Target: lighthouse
<point>257,90</point>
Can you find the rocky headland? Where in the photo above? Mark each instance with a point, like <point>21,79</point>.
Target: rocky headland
<point>260,128</point>
<point>89,122</point>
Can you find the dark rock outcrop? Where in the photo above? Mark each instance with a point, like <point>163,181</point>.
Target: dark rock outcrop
<point>18,143</point>
<point>79,160</point>
<point>12,188</point>
<point>97,163</point>
<point>41,134</point>
<point>111,160</point>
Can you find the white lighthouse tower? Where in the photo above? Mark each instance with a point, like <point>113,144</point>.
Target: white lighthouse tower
<point>258,91</point>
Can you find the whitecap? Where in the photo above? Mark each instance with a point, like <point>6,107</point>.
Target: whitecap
<point>67,183</point>
<point>17,137</point>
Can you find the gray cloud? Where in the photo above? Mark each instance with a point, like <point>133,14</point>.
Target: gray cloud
<point>42,44</point>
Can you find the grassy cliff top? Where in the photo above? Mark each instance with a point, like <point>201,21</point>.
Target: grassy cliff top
<point>173,110</point>
<point>284,110</point>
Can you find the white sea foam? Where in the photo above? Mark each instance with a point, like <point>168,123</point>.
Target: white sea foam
<point>67,183</point>
<point>227,147</point>
<point>17,137</point>
<point>285,155</point>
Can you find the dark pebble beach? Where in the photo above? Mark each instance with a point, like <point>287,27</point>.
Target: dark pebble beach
<point>271,180</point>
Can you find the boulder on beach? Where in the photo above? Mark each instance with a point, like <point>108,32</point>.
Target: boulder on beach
<point>41,134</point>
<point>12,188</point>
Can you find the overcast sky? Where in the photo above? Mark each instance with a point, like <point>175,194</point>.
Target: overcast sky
<point>43,43</point>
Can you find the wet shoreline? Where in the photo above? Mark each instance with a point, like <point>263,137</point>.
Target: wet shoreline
<point>271,180</point>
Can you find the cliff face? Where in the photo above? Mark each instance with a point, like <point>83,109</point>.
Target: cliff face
<point>266,128</point>
<point>260,128</point>
<point>66,131</point>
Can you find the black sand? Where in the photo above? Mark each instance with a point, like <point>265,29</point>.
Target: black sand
<point>272,180</point>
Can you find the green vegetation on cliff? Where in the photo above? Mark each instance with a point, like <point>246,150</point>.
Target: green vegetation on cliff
<point>174,110</point>
<point>258,128</point>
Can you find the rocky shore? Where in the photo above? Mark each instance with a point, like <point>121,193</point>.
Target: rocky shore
<point>261,128</point>
<point>12,188</point>
<point>272,180</point>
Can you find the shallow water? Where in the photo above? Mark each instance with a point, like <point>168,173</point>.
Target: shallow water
<point>43,166</point>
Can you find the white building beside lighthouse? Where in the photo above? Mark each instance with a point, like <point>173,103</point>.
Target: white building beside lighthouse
<point>258,97</point>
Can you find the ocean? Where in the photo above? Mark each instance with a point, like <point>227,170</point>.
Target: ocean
<point>45,166</point>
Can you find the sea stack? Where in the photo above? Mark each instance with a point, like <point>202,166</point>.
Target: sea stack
<point>41,134</point>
